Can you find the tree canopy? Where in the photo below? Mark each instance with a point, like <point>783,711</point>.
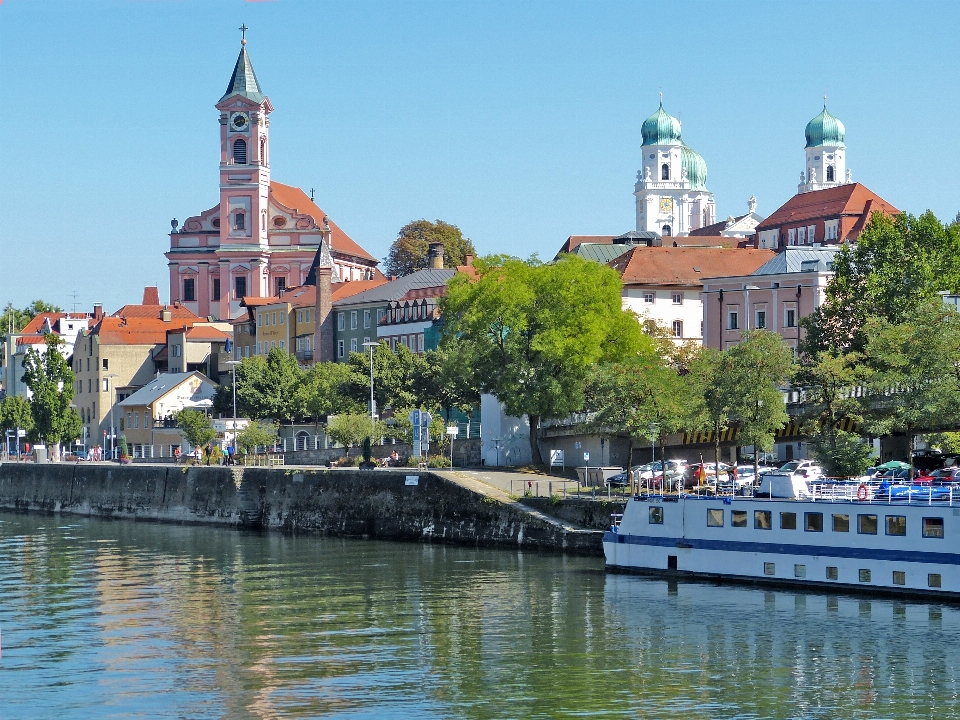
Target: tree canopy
<point>16,319</point>
<point>51,383</point>
<point>196,427</point>
<point>534,331</point>
<point>409,251</point>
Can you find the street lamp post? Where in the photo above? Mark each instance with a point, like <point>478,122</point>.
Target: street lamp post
<point>373,403</point>
<point>233,366</point>
<point>110,377</point>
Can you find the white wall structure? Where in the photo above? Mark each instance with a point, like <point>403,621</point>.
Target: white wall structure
<point>671,192</point>
<point>504,440</point>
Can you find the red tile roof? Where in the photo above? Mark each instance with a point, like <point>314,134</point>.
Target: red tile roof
<point>206,333</point>
<point>114,330</point>
<point>686,266</point>
<point>844,200</point>
<point>151,296</point>
<point>297,200</point>
<point>177,312</point>
<point>347,289</point>
<point>701,241</point>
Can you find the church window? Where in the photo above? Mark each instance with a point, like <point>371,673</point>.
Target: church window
<point>189,290</point>
<point>240,287</point>
<point>665,231</point>
<point>216,288</point>
<point>240,151</point>
<point>665,172</point>
<point>241,221</point>
<point>829,173</point>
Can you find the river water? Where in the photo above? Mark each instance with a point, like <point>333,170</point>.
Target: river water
<point>121,619</point>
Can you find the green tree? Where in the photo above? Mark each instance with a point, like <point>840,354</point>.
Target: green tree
<point>14,320</point>
<point>196,427</point>
<point>537,330</point>
<point>443,379</point>
<point>350,430</point>
<point>326,386</point>
<point>273,387</point>
<point>914,377</point>
<point>896,266</point>
<point>408,253</point>
<point>72,426</point>
<point>15,413</point>
<point>828,382</point>
<point>51,382</point>
<point>760,365</point>
<point>712,396</point>
<point>257,434</point>
<point>392,377</point>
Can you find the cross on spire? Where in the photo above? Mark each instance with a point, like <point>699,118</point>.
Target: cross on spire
<point>824,99</point>
<point>243,34</point>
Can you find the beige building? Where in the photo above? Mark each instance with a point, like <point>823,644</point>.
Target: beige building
<point>146,418</point>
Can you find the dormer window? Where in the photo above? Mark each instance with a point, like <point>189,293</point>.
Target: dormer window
<point>665,172</point>
<point>240,151</point>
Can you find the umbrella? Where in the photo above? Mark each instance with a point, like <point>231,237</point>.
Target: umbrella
<point>894,465</point>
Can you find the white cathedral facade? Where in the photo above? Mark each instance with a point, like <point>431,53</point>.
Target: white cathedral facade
<point>671,190</point>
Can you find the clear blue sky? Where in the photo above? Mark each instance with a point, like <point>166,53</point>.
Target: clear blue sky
<point>517,121</point>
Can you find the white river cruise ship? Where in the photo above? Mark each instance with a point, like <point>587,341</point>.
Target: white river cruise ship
<point>902,546</point>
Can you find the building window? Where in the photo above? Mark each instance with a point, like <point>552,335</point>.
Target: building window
<point>829,173</point>
<point>366,319</point>
<point>761,319</point>
<point>655,515</point>
<point>273,318</point>
<point>648,297</point>
<point>665,231</point>
<point>791,236</point>
<point>762,520</point>
<point>665,172</point>
<point>899,577</point>
<point>677,298</point>
<point>341,321</point>
<point>833,573</point>
<point>106,363</point>
<point>259,319</point>
<point>769,568</point>
<point>240,151</point>
<point>678,328</point>
<point>241,222</point>
<point>259,348</point>
<point>811,234</point>
<point>240,288</point>
<point>733,320</point>
<point>865,575</point>
<point>789,318</point>
<point>801,236</point>
<point>216,288</point>
<point>813,522</point>
<point>896,525</point>
<point>353,344</point>
<point>715,517</point>
<point>841,523</point>
<point>867,524</point>
<point>340,348</point>
<point>283,318</point>
<point>282,344</point>
<point>353,319</point>
<point>788,521</point>
<point>420,343</point>
<point>136,421</point>
<point>299,316</point>
<point>933,580</point>
<point>933,527</point>
<point>189,289</point>
<point>281,285</point>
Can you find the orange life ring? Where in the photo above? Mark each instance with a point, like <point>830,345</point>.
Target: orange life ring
<point>862,492</point>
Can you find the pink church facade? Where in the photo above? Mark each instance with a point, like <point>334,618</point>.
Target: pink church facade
<point>262,236</point>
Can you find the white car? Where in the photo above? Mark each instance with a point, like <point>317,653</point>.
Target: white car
<point>804,468</point>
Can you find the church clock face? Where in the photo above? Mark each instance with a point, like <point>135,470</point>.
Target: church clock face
<point>666,205</point>
<point>239,121</point>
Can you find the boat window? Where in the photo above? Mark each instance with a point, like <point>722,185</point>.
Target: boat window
<point>788,521</point>
<point>832,573</point>
<point>800,571</point>
<point>714,517</point>
<point>867,524</point>
<point>738,518</point>
<point>769,568</point>
<point>762,520</point>
<point>656,515</point>
<point>813,522</point>
<point>864,575</point>
<point>933,580</point>
<point>896,524</point>
<point>933,527</point>
<point>841,523</point>
<point>899,577</point>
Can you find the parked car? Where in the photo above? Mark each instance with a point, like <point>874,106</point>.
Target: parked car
<point>805,468</point>
<point>691,474</point>
<point>654,470</point>
<point>945,476</point>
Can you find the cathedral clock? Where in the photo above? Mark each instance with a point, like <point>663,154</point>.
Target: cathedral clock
<point>239,121</point>
<point>666,206</point>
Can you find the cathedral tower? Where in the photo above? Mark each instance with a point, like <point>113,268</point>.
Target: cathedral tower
<point>826,154</point>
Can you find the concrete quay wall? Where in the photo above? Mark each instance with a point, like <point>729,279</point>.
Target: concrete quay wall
<point>375,504</point>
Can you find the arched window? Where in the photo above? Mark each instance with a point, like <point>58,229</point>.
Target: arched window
<point>263,151</point>
<point>665,231</point>
<point>664,172</point>
<point>829,173</point>
<point>240,151</point>
<point>241,221</point>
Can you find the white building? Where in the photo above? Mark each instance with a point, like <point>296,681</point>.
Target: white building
<point>671,191</point>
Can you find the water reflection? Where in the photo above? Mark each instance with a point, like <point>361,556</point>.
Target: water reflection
<point>164,621</point>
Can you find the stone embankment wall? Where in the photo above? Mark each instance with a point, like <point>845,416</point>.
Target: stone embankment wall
<point>376,504</point>
<point>592,514</point>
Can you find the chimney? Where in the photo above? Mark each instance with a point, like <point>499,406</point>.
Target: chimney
<point>165,314</point>
<point>97,312</point>
<point>435,256</point>
<point>323,316</point>
<point>468,259</point>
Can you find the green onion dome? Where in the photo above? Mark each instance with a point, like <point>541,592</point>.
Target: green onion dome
<point>825,129</point>
<point>661,128</point>
<point>696,168</point>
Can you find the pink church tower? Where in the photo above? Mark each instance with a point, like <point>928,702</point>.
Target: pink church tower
<point>263,236</point>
